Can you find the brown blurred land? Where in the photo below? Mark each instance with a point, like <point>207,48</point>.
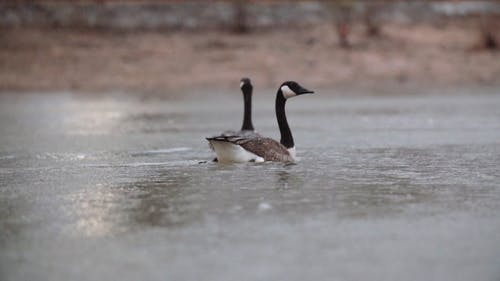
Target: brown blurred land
<point>447,53</point>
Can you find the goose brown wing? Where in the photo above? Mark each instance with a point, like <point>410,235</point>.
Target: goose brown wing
<point>233,136</point>
<point>266,148</point>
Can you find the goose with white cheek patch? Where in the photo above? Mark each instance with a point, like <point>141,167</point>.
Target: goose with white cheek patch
<point>230,149</point>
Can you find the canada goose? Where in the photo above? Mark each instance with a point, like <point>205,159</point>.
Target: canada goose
<point>259,149</point>
<point>247,126</point>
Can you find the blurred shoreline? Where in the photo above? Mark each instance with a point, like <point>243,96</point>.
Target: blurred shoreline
<point>163,62</point>
<point>226,14</point>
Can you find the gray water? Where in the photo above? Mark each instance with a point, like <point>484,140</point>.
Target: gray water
<point>117,188</point>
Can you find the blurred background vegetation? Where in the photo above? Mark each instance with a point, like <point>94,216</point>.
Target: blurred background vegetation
<point>165,46</point>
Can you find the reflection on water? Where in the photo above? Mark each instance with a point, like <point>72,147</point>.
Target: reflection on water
<point>287,180</point>
<point>162,201</point>
<point>127,177</point>
<point>158,200</point>
<point>93,210</point>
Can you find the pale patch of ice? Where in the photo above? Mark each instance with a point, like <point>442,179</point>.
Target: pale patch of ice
<point>263,206</point>
<point>7,157</point>
<point>145,164</point>
<point>161,151</point>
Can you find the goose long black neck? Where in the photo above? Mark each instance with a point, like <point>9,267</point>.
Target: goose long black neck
<point>247,113</point>
<point>286,133</point>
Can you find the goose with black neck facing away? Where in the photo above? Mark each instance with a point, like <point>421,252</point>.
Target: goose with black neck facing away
<point>230,149</point>
<point>247,128</point>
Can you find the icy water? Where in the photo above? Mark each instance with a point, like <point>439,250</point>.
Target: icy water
<point>115,188</point>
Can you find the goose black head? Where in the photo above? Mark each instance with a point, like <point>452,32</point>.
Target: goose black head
<point>291,89</point>
<point>246,85</point>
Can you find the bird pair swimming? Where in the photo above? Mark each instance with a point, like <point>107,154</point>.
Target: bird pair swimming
<point>248,146</point>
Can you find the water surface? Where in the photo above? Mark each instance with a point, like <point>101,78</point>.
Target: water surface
<point>119,188</point>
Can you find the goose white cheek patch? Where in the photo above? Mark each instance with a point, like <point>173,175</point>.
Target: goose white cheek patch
<point>241,84</point>
<point>287,92</point>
